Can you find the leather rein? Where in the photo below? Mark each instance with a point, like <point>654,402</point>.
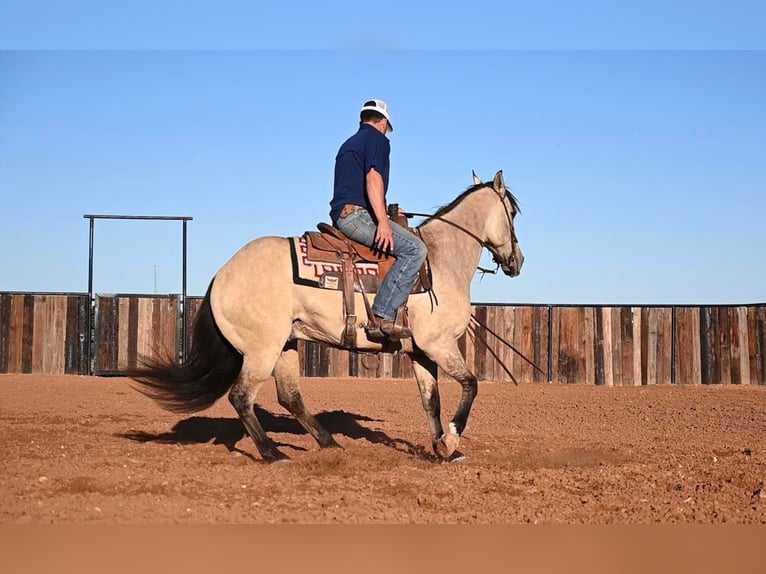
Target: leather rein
<point>472,235</point>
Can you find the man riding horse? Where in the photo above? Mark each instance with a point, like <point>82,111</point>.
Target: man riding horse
<point>358,209</point>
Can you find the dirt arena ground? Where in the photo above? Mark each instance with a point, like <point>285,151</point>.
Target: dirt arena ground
<point>92,450</point>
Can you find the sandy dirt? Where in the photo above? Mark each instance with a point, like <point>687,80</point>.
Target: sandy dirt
<point>93,450</point>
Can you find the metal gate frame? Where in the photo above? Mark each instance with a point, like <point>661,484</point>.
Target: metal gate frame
<point>184,220</point>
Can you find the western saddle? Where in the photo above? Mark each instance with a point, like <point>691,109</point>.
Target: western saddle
<point>329,244</point>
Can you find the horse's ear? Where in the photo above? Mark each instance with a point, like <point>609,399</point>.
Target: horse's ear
<point>476,180</point>
<point>499,182</point>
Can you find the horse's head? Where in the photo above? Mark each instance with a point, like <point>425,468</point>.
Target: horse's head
<point>501,236</point>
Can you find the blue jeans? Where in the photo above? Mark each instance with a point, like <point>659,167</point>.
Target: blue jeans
<point>410,253</point>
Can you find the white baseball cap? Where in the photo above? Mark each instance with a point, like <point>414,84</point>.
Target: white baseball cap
<point>380,107</point>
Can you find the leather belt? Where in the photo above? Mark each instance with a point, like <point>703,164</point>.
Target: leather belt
<point>348,209</point>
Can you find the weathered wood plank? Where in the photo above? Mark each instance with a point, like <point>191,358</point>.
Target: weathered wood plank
<point>724,344</point>
<point>734,348</point>
<point>567,345</point>
<point>521,336</point>
<point>192,307</point>
<point>626,346</point>
<point>5,331</point>
<point>338,363</point>
<point>130,320</point>
<point>402,366</point>
<point>170,329</point>
<point>525,340</point>
<point>123,332</point>
<point>353,364</point>
<point>368,364</point>
<point>384,366</point>
<point>55,334</point>
<point>496,322</point>
<point>107,332</point>
<point>743,346</point>
<point>708,339</point>
<point>310,358</point>
<point>598,349</point>
<point>588,345</point>
<point>638,352</point>
<point>492,366</point>
<point>541,340</point>
<point>662,344</point>
<point>618,347</point>
<point>144,330</point>
<point>558,356</point>
<point>688,346</point>
<point>607,347</point>
<point>22,312</point>
<point>38,333</point>
<point>480,352</point>
<point>757,343</point>
<point>510,327</point>
<point>76,360</point>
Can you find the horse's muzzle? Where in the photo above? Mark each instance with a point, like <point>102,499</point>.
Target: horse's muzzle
<point>513,267</point>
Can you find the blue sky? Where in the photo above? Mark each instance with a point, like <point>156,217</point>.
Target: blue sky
<point>636,149</point>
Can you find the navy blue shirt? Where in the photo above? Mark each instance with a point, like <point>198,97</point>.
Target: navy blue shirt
<point>366,149</point>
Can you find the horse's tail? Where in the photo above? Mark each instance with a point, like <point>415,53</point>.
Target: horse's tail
<point>209,370</point>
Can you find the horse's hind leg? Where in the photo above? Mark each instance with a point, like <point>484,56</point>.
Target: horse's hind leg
<point>286,373</point>
<point>242,397</point>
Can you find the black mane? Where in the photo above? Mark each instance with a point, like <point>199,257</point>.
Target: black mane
<point>444,209</point>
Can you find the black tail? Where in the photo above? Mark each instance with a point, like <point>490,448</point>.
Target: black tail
<point>207,373</point>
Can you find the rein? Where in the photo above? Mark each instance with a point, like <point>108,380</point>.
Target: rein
<point>472,235</point>
<point>476,334</point>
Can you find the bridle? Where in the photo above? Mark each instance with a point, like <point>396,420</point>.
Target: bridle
<point>514,240</point>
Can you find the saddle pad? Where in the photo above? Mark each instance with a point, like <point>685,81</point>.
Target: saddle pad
<point>310,273</point>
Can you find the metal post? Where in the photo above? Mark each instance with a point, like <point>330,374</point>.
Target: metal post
<point>89,341</point>
<point>183,297</point>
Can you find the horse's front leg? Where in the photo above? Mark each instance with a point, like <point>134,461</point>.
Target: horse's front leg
<point>452,362</point>
<point>425,373</point>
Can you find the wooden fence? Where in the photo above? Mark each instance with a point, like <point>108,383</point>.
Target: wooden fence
<point>601,345</point>
<point>43,333</point>
<point>128,327</point>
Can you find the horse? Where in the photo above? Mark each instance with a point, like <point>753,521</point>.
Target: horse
<point>253,315</point>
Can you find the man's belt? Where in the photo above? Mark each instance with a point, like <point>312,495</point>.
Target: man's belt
<point>348,209</point>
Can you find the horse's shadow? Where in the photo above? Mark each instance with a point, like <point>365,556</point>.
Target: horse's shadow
<point>229,431</point>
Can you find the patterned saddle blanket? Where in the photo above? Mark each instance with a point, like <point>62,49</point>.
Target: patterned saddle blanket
<point>318,261</point>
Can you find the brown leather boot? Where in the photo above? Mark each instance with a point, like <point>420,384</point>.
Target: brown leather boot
<point>393,330</point>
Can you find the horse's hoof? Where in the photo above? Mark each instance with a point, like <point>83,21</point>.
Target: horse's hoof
<point>331,445</point>
<point>276,458</point>
<point>280,461</point>
<point>456,458</point>
<point>447,445</point>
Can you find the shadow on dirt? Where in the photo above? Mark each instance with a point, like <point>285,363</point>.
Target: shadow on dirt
<point>229,431</point>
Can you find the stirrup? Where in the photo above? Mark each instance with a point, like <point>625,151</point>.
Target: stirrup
<point>386,329</point>
<point>374,333</point>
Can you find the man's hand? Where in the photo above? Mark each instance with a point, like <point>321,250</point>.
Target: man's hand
<point>384,237</point>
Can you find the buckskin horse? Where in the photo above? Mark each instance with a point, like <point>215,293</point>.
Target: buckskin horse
<point>253,315</point>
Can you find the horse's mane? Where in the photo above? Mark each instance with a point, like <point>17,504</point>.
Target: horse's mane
<point>444,209</point>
